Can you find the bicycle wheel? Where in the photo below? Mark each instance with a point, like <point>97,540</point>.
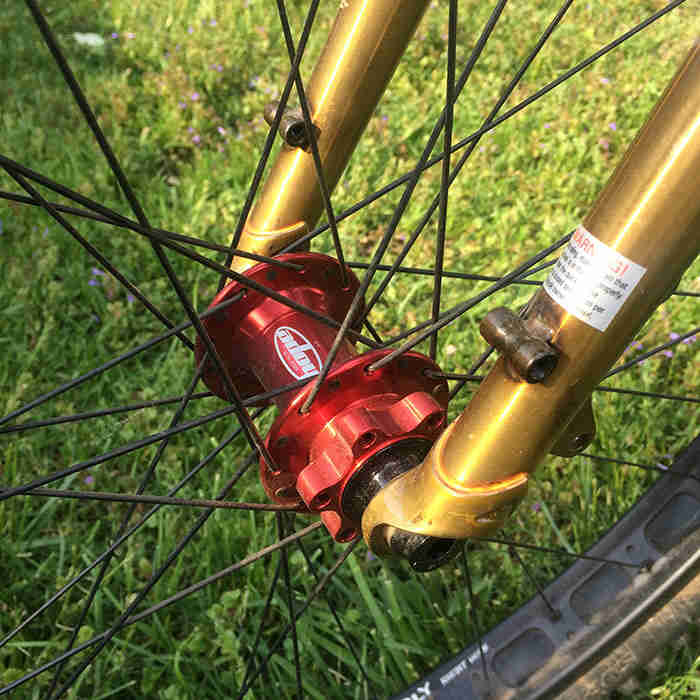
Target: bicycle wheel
<point>92,384</point>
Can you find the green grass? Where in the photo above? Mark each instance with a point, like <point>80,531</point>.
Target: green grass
<point>529,181</point>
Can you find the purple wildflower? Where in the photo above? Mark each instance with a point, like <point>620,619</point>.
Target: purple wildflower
<point>537,507</point>
<point>605,81</point>
<point>212,23</point>
<point>219,68</point>
<point>673,336</point>
<point>690,339</point>
<point>190,129</point>
<point>182,105</point>
<point>196,138</point>
<point>130,35</point>
<point>194,96</point>
<point>667,353</point>
<point>115,35</point>
<point>97,272</point>
<point>190,30</point>
<point>613,126</point>
<point>547,125</point>
<point>93,282</point>
<point>221,130</point>
<point>89,479</point>
<point>130,298</point>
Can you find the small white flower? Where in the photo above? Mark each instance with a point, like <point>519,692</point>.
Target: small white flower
<point>89,39</point>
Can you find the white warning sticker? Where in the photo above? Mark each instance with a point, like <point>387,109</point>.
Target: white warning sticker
<point>591,280</point>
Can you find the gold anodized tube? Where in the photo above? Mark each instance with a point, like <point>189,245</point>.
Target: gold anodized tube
<point>363,49</point>
<point>649,212</point>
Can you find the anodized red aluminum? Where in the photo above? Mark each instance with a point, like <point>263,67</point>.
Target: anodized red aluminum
<point>244,334</point>
<point>266,346</point>
<point>355,415</point>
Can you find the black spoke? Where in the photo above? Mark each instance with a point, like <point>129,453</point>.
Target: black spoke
<point>213,356</point>
<point>512,85</point>
<point>163,500</point>
<point>250,559</point>
<point>466,377</point>
<point>250,283</point>
<point>554,614</point>
<point>263,617</point>
<point>390,187</point>
<point>312,596</point>
<point>87,415</point>
<point>562,78</point>
<point>157,575</point>
<point>456,311</point>
<point>373,331</point>
<point>231,391</point>
<point>502,283</point>
<point>100,638</point>
<point>284,556</point>
<point>98,256</point>
<point>472,611</point>
<point>653,351</point>
<point>311,135</point>
<point>120,540</point>
<point>429,272</point>
<point>111,363</point>
<point>272,133</point>
<point>456,375</point>
<point>109,214</point>
<point>649,394</point>
<point>117,452</point>
<point>336,617</point>
<point>146,479</point>
<point>359,299</point>
<point>159,234</point>
<point>445,181</point>
<point>640,465</point>
<point>471,374</point>
<point>553,550</point>
<point>85,108</point>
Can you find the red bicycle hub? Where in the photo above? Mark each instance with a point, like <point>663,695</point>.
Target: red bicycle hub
<point>265,345</point>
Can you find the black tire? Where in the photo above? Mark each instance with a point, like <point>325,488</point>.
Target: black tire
<point>610,623</point>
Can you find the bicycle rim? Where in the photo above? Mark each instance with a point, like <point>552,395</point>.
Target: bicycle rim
<point>99,574</point>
